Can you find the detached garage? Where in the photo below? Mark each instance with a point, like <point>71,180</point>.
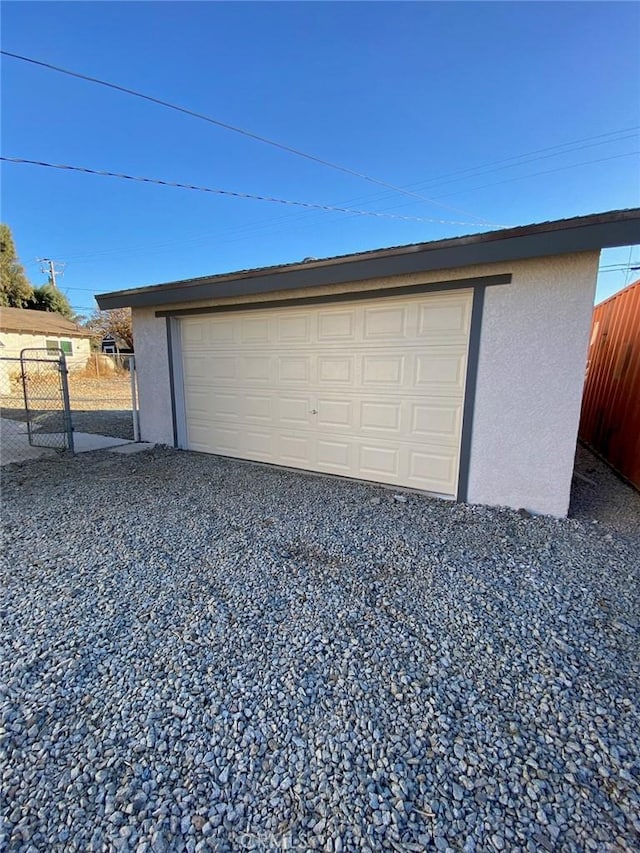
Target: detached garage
<point>454,367</point>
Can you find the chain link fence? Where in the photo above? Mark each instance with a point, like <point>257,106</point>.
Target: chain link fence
<point>42,404</point>
<point>34,410</point>
<point>103,396</point>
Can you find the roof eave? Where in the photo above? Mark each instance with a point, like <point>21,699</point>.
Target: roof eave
<point>592,233</point>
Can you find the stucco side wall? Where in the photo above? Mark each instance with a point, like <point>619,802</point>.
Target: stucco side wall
<point>152,366</point>
<point>533,351</point>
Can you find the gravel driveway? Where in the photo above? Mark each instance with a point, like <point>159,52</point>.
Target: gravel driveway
<point>201,655</point>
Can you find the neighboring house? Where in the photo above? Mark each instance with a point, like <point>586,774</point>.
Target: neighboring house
<point>453,367</point>
<point>22,328</point>
<point>113,345</point>
<point>610,421</point>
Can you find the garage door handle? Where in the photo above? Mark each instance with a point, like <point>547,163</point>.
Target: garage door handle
<point>313,412</point>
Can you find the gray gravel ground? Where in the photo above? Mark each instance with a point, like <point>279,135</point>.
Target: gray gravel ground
<point>598,494</point>
<point>205,655</point>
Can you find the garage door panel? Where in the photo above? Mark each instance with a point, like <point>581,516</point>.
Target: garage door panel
<point>445,370</point>
<point>378,461</point>
<point>338,325</point>
<point>198,441</point>
<point>294,369</point>
<point>255,369</point>
<point>198,402</point>
<point>193,332</point>
<point>219,333</point>
<point>334,456</point>
<point>226,438</point>
<point>254,330</point>
<point>334,414</point>
<point>444,319</point>
<point>373,390</point>
<point>294,329</point>
<point>208,332</point>
<point>386,323</point>
<point>434,466</point>
<point>294,411</point>
<point>215,368</point>
<point>295,450</point>
<point>338,369</point>
<point>255,407</point>
<point>436,421</point>
<point>260,443</point>
<point>223,405</point>
<point>195,369</point>
<point>380,417</point>
<point>383,369</point>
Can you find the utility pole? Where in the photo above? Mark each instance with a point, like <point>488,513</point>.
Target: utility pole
<point>50,270</point>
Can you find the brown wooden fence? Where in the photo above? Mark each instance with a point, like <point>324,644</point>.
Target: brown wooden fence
<point>610,420</point>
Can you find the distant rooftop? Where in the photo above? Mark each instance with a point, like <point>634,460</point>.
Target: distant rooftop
<point>39,323</point>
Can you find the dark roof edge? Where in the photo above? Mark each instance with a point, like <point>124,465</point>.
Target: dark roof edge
<point>565,236</point>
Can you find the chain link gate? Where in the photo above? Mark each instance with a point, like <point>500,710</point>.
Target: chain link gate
<point>46,398</point>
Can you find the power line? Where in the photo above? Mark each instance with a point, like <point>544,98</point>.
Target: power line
<point>226,126</point>
<point>570,146</point>
<point>481,169</point>
<point>549,171</point>
<point>232,193</point>
<point>145,248</point>
<point>477,170</point>
<point>533,175</point>
<point>141,249</point>
<point>438,183</point>
<point>614,267</point>
<point>382,197</point>
<point>519,160</point>
<point>251,227</point>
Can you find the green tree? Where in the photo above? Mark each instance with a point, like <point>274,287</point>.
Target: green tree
<point>48,298</point>
<point>15,288</point>
<point>116,322</point>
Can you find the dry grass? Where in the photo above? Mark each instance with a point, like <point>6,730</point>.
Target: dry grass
<point>100,392</point>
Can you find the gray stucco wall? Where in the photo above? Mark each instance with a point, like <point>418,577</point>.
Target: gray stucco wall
<point>152,366</point>
<point>529,383</point>
<point>531,367</point>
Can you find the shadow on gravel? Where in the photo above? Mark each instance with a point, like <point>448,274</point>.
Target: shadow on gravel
<point>117,423</point>
<point>114,422</point>
<point>599,494</point>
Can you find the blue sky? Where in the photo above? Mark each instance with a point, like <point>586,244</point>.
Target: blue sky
<point>421,95</point>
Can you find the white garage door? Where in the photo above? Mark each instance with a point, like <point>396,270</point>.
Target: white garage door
<point>371,389</point>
